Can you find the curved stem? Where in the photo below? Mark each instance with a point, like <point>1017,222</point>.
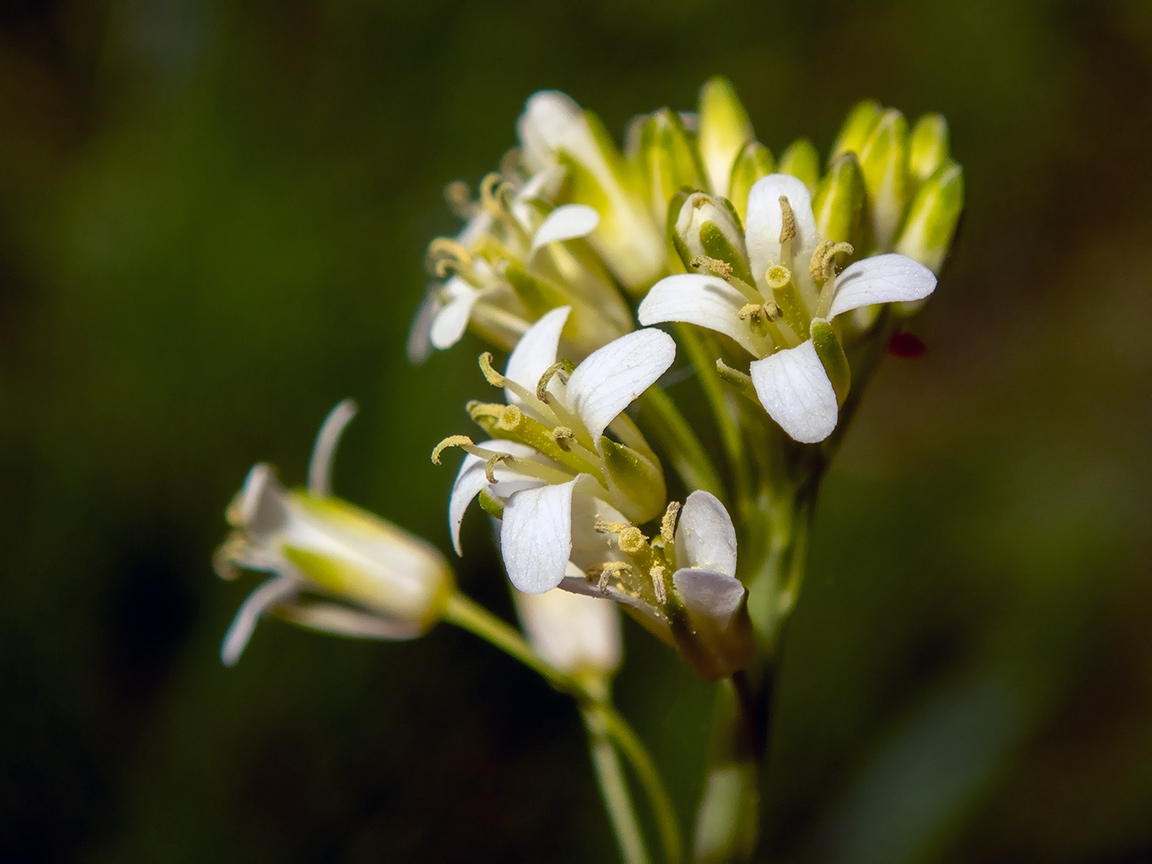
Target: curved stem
<point>679,441</point>
<point>614,789</point>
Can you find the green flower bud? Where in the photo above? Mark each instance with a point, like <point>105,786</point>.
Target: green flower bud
<point>754,161</point>
<point>801,160</point>
<point>668,160</point>
<point>933,216</point>
<point>724,128</point>
<point>884,161</point>
<point>929,146</point>
<point>838,204</point>
<point>713,237</point>
<point>633,479</point>
<point>861,120</point>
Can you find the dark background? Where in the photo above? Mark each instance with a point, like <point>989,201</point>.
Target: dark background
<point>212,223</point>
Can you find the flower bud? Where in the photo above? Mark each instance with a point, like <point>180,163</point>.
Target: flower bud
<point>753,162</point>
<point>884,161</point>
<point>724,128</point>
<point>933,216</point>
<point>801,160</point>
<point>636,482</point>
<point>838,205</point>
<point>668,160</point>
<point>710,230</point>
<point>929,149</point>
<point>861,120</point>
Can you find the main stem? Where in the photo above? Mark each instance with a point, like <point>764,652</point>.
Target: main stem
<point>614,790</point>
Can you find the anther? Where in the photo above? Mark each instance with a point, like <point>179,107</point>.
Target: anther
<point>490,375</point>
<point>459,199</point>
<point>450,441</point>
<point>657,575</point>
<point>668,523</point>
<point>446,255</point>
<point>816,266</point>
<point>718,268</point>
<point>828,263</point>
<point>754,311</point>
<point>773,311</point>
<point>490,465</point>
<point>563,436</point>
<point>631,540</point>
<point>788,223</point>
<point>562,368</point>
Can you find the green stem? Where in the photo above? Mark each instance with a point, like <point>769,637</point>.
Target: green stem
<point>614,790</point>
<point>679,441</point>
<point>718,398</point>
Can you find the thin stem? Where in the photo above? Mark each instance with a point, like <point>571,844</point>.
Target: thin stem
<point>717,396</point>
<point>614,790</point>
<point>634,751</point>
<point>679,441</point>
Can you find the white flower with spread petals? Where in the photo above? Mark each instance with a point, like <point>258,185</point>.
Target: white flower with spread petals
<point>551,453</point>
<point>682,585</point>
<point>377,580</point>
<point>783,316</point>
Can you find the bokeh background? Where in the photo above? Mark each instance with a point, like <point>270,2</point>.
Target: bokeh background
<point>212,223</point>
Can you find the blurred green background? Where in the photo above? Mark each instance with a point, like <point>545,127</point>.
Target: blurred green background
<point>212,223</point>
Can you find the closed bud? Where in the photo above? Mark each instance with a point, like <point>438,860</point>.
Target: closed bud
<point>724,128</point>
<point>838,205</point>
<point>635,481</point>
<point>754,161</point>
<point>861,120</point>
<point>668,160</point>
<point>884,161</point>
<point>801,160</point>
<point>929,146</point>
<point>575,634</point>
<point>933,216</point>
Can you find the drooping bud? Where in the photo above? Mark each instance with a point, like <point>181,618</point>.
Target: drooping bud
<point>724,129</point>
<point>884,161</point>
<point>753,162</point>
<point>668,160</point>
<point>929,149</point>
<point>801,160</point>
<point>933,216</point>
<point>577,635</point>
<point>861,120</point>
<point>838,204</point>
<point>710,230</point>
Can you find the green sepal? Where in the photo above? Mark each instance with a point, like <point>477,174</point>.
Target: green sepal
<point>675,205</point>
<point>884,161</point>
<point>716,245</point>
<point>838,204</point>
<point>831,354</point>
<point>537,295</point>
<point>802,160</point>
<point>753,163</point>
<point>724,127</point>
<point>933,216</point>
<point>861,120</point>
<point>634,481</point>
<point>739,381</point>
<point>490,504</point>
<point>668,159</point>
<point>929,148</point>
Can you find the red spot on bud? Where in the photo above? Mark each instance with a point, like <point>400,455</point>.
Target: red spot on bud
<point>906,345</point>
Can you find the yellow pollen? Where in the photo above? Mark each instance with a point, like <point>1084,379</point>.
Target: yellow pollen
<point>459,198</point>
<point>777,276</point>
<point>718,268</point>
<point>446,255</point>
<point>788,223</point>
<point>490,375</point>
<point>563,436</point>
<point>751,310</point>
<point>658,586</point>
<point>631,540</point>
<point>816,266</point>
<point>668,523</point>
<point>490,465</point>
<point>510,419</point>
<point>560,367</point>
<point>828,262</point>
<point>450,441</point>
<point>773,311</point>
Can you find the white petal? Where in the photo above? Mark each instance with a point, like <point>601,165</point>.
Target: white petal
<point>706,301</point>
<point>713,595</point>
<point>472,479</point>
<point>589,546</point>
<point>419,344</point>
<point>765,220</point>
<point>450,320</point>
<point>324,450</point>
<point>343,621</point>
<point>881,279</point>
<point>705,538</point>
<point>551,120</point>
<point>574,633</point>
<point>240,630</point>
<point>535,352</point>
<point>613,376</point>
<point>565,223</point>
<point>795,391</point>
<point>536,536</point>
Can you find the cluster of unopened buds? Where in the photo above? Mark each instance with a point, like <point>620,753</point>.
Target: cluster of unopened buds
<point>780,285</point>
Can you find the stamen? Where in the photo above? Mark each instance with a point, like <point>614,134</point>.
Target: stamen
<point>830,258</point>
<point>563,368</point>
<point>668,523</point>
<point>657,575</point>
<point>450,441</point>
<point>479,411</point>
<point>817,266</point>
<point>773,311</point>
<point>788,225</point>
<point>564,438</point>
<point>490,465</point>
<point>719,268</point>
<point>603,526</point>
<point>491,375</point>
<point>447,255</point>
<point>459,199</point>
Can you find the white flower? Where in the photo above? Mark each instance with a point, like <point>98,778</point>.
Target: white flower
<point>554,454</point>
<point>682,586</point>
<point>796,296</point>
<point>575,634</point>
<point>380,581</point>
